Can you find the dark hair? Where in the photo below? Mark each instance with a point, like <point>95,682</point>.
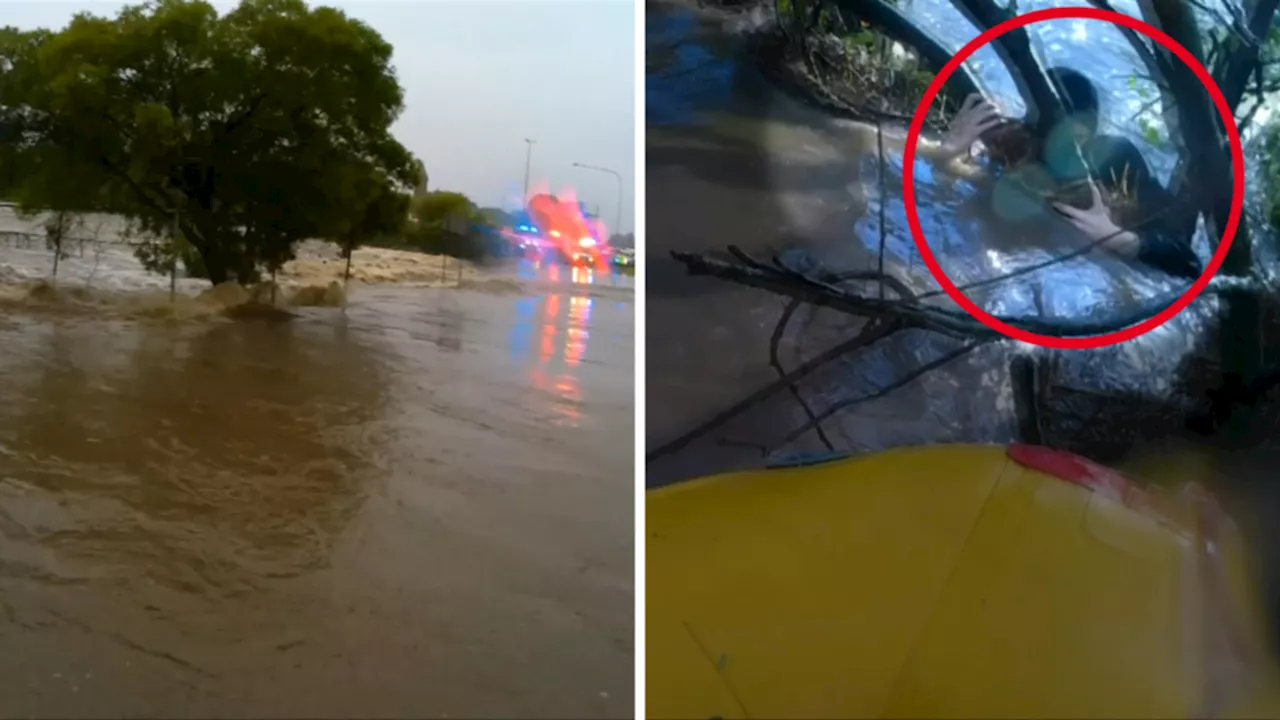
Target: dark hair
<point>1078,92</point>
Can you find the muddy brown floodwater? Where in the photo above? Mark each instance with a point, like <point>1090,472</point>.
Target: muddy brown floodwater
<point>420,506</point>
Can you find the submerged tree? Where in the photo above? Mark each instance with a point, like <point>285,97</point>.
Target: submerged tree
<point>1230,40</point>
<point>250,130</point>
<point>386,211</point>
<point>1232,49</point>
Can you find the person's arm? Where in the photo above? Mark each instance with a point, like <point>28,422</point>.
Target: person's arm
<point>1159,241</point>
<point>1163,245</point>
<point>1162,240</point>
<point>976,116</point>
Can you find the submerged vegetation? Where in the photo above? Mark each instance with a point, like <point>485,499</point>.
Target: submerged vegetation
<point>845,60</point>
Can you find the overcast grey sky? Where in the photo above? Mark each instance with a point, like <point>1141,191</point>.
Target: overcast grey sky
<point>480,76</point>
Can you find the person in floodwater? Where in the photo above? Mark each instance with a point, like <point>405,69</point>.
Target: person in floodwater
<point>1074,153</point>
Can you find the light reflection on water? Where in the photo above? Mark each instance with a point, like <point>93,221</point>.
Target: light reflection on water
<point>563,325</point>
<point>579,322</point>
<point>554,273</point>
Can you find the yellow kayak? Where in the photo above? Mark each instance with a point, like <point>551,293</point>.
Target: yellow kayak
<point>948,581</point>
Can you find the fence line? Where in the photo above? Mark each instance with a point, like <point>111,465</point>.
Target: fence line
<point>20,240</point>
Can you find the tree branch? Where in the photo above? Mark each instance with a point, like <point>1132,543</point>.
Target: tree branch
<point>1232,74</point>
<point>1157,66</point>
<point>896,26</point>
<point>870,334</point>
<point>900,382</point>
<point>914,314</point>
<point>1014,49</point>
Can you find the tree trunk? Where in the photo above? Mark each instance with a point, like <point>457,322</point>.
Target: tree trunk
<point>1014,49</point>
<point>1233,73</point>
<point>215,267</point>
<point>1210,163</point>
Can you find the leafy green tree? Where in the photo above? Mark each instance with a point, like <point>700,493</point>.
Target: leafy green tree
<point>496,217</point>
<point>386,211</point>
<point>443,209</point>
<point>250,131</point>
<point>449,223</point>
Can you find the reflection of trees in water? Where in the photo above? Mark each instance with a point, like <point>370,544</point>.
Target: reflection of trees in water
<point>221,456</point>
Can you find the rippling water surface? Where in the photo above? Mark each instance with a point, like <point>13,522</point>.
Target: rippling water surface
<point>420,506</point>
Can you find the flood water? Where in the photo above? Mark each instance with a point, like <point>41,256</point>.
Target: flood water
<point>733,158</point>
<point>419,506</point>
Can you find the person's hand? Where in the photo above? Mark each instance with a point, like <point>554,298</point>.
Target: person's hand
<point>1096,224</point>
<point>976,116</point>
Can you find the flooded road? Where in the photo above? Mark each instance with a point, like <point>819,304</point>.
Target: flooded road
<point>420,506</point>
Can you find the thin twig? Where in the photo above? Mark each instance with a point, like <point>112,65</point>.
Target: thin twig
<point>1235,25</point>
<point>792,306</point>
<point>1247,120</point>
<point>1145,107</point>
<point>870,334</point>
<point>949,321</point>
<point>832,278</point>
<point>1148,58</point>
<point>776,363</point>
<point>900,382</point>
<point>880,149</point>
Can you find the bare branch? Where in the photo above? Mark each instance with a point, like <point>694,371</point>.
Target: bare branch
<point>1155,64</point>
<point>788,312</point>
<point>776,363</point>
<point>870,334</point>
<point>913,313</point>
<point>1233,72</point>
<point>880,200</point>
<point>900,382</point>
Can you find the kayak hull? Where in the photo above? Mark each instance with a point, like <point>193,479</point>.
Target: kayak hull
<point>941,581</point>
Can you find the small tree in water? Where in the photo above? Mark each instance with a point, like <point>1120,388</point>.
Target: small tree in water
<point>254,127</point>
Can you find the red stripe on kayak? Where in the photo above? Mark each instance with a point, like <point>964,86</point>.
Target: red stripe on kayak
<point>1072,468</point>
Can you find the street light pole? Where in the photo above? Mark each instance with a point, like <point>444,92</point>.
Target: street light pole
<point>528,157</point>
<point>615,174</point>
